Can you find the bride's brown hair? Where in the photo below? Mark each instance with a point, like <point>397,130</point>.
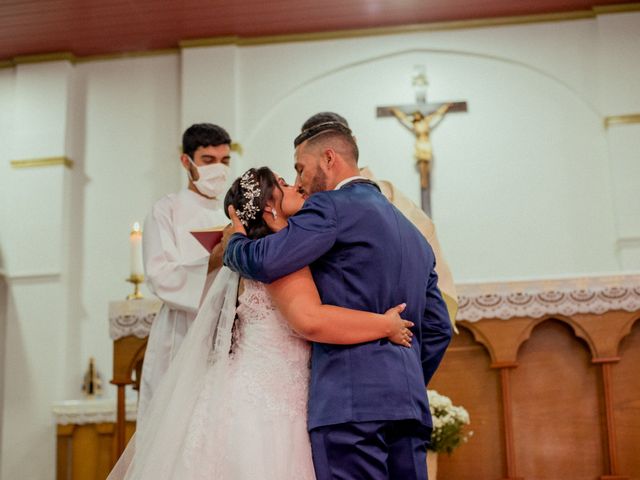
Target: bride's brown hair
<point>266,181</point>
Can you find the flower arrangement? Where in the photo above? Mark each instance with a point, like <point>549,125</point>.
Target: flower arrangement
<point>448,423</point>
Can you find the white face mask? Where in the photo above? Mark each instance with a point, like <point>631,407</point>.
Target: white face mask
<point>212,179</point>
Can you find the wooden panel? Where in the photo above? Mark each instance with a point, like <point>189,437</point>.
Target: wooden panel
<point>466,378</point>
<point>626,395</point>
<point>97,27</point>
<point>558,424</point>
<point>88,451</point>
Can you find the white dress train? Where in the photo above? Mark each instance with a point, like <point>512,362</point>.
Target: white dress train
<point>229,416</point>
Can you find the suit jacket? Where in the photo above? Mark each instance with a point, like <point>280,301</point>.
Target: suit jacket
<point>364,254</point>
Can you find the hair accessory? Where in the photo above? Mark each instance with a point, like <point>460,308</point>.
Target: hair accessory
<point>251,192</point>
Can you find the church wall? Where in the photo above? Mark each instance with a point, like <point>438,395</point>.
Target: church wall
<point>121,119</point>
<point>7,81</point>
<point>130,160</point>
<point>528,183</point>
<point>619,75</point>
<point>34,257</point>
<point>6,99</point>
<point>525,173</point>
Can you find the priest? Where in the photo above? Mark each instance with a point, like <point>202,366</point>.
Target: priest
<point>178,269</point>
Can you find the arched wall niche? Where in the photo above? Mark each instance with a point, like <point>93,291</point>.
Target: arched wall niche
<point>465,376</point>
<point>555,393</point>
<point>492,174</point>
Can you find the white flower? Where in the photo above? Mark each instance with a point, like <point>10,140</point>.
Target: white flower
<point>448,421</point>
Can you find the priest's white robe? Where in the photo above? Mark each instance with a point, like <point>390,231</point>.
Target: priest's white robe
<point>175,267</point>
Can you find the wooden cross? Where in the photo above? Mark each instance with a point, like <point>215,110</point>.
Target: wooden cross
<point>421,119</point>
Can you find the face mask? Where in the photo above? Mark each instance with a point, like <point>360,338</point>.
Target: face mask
<point>212,179</point>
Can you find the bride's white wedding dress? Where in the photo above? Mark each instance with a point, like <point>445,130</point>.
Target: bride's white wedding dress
<point>229,416</point>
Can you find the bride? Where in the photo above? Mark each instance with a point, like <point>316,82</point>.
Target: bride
<point>233,404</point>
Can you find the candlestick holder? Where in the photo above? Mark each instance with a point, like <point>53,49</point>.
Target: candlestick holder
<point>136,280</point>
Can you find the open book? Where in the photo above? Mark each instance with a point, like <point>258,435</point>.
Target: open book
<point>209,237</point>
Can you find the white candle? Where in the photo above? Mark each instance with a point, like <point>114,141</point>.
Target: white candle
<point>135,241</point>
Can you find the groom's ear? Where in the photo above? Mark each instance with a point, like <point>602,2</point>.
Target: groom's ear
<point>330,157</point>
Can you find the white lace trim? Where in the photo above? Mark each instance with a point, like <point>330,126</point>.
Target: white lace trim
<point>132,317</point>
<point>82,412</point>
<point>548,297</point>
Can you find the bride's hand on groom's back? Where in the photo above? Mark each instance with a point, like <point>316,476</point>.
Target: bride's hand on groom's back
<point>400,333</point>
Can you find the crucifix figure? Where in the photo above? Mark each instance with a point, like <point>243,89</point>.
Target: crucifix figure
<point>421,119</point>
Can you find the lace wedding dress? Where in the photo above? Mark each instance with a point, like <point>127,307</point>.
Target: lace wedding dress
<point>240,415</point>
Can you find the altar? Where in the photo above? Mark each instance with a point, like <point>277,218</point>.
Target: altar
<point>92,433</point>
<point>547,370</point>
<point>85,437</point>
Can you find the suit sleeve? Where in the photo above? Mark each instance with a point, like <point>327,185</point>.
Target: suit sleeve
<point>309,235</point>
<point>436,328</point>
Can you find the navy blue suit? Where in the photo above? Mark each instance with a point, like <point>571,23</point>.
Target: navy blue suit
<point>364,254</point>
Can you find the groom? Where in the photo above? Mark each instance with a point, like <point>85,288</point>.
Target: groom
<point>368,411</point>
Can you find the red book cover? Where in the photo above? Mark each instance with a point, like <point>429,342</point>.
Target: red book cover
<point>208,237</point>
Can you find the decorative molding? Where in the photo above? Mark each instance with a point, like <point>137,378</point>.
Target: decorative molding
<point>595,295</point>
<point>82,412</point>
<point>28,275</point>
<point>628,242</point>
<point>379,31</point>
<point>44,57</point>
<point>42,162</point>
<point>621,119</point>
<point>618,8</point>
<point>236,147</point>
<point>208,42</point>
<point>125,55</point>
<point>132,317</point>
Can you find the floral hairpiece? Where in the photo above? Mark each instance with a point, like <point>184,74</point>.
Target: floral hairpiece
<point>251,190</point>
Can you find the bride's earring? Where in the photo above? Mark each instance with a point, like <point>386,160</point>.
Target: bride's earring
<point>274,213</point>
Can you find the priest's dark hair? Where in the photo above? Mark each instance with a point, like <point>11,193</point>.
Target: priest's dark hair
<point>203,135</point>
<point>267,183</point>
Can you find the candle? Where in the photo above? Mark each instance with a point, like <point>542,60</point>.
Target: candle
<point>135,241</point>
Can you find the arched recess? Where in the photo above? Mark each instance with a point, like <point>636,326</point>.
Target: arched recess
<point>534,169</point>
<point>276,103</point>
<point>578,330</point>
<point>557,411</point>
<point>626,402</point>
<point>466,377</point>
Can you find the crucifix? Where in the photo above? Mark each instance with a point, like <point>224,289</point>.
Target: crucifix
<point>421,119</point>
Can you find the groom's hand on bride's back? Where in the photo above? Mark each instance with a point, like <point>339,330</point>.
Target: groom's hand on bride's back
<point>399,332</point>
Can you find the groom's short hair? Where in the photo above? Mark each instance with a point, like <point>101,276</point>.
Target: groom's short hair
<point>328,127</point>
<point>324,117</point>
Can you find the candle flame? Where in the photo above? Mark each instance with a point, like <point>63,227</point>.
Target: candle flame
<point>135,228</point>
